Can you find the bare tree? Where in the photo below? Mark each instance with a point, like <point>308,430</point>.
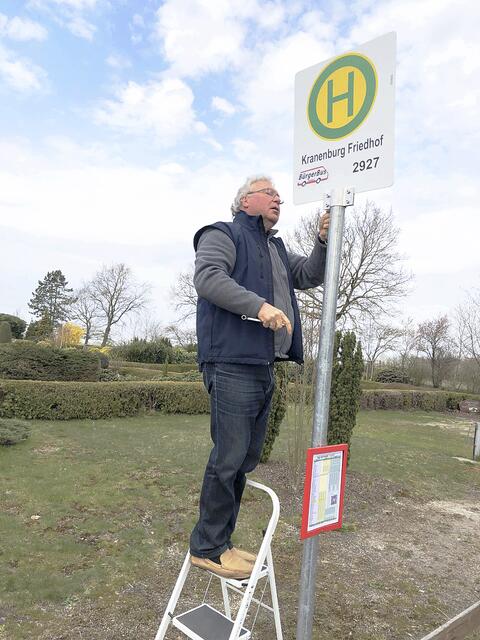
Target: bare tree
<point>117,294</point>
<point>372,277</point>
<point>407,343</point>
<point>86,311</point>
<point>183,337</point>
<point>183,295</point>
<point>146,327</point>
<point>433,339</point>
<point>468,317</point>
<point>376,340</point>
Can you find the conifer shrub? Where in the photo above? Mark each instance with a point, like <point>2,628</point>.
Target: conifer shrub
<point>13,431</point>
<point>26,361</point>
<point>346,389</point>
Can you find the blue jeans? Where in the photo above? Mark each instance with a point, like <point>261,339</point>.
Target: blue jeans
<point>240,397</point>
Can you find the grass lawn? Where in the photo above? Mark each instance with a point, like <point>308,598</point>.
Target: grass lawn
<point>95,518</point>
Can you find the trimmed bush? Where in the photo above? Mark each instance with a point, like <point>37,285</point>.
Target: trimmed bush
<point>17,325</point>
<point>68,400</point>
<point>13,432</point>
<point>134,373</point>
<point>424,400</point>
<point>187,376</point>
<point>392,375</point>
<point>110,375</point>
<point>27,361</point>
<point>5,333</point>
<point>138,350</point>
<point>181,356</point>
<point>177,368</point>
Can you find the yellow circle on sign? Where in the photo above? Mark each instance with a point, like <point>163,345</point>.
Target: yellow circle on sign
<point>340,79</point>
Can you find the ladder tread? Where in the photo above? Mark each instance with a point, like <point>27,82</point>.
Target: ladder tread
<point>206,623</point>
<point>243,583</point>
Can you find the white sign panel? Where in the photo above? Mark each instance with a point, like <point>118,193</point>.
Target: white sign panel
<point>344,122</point>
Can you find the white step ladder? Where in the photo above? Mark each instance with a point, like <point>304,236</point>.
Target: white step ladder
<point>206,623</point>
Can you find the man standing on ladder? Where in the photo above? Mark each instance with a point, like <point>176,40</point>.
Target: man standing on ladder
<point>243,273</point>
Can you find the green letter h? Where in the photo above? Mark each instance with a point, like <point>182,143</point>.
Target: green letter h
<point>342,96</point>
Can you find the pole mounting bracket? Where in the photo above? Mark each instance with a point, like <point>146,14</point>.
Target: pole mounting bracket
<point>339,198</point>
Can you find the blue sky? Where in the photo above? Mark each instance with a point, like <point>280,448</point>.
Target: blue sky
<point>125,126</point>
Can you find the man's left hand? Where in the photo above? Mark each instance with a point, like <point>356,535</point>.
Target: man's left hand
<point>324,223</point>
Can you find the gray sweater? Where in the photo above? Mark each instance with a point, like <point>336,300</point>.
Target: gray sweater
<point>214,263</point>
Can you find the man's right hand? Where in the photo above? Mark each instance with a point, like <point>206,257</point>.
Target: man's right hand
<point>273,318</point>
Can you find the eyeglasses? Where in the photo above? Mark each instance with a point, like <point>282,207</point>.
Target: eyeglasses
<point>269,192</point>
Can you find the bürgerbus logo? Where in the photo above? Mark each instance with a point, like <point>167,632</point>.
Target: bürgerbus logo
<point>312,176</point>
<point>342,96</point>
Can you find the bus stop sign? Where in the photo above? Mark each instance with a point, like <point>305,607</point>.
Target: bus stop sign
<point>344,122</point>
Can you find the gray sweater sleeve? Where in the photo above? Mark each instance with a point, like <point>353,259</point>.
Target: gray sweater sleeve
<point>308,272</point>
<point>214,263</point>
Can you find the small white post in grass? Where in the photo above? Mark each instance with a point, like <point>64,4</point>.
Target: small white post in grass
<point>476,442</point>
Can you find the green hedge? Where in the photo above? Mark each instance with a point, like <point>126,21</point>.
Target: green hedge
<point>425,400</point>
<point>179,368</point>
<point>26,361</point>
<point>68,400</point>
<point>139,374</point>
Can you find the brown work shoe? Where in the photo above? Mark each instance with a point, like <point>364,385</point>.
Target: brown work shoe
<point>240,553</point>
<point>232,566</point>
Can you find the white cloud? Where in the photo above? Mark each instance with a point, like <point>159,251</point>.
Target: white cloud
<point>164,108</point>
<point>222,105</point>
<point>81,27</point>
<point>72,5</point>
<point>20,73</point>
<point>109,199</point>
<point>71,14</point>
<point>244,148</point>
<point>138,20</point>
<point>21,28</point>
<point>200,37</point>
<point>438,80</point>
<point>117,61</point>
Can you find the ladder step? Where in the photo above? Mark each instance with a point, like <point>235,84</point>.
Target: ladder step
<point>241,583</point>
<point>206,623</point>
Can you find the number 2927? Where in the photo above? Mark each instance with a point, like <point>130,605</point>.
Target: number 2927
<point>364,165</point>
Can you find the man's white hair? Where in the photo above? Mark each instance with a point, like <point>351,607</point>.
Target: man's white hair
<point>244,189</point>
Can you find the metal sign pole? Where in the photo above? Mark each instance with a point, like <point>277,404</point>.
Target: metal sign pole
<point>339,200</point>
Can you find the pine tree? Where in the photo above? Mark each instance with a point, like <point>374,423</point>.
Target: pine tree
<point>346,389</point>
<point>52,299</point>
<point>39,330</point>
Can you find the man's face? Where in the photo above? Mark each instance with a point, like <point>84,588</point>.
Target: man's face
<point>260,203</point>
